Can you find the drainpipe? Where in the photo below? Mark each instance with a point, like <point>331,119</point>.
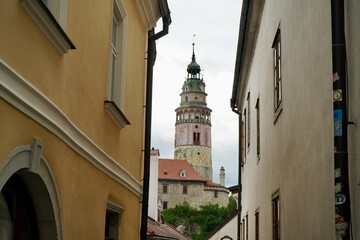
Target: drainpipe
<point>342,192</point>
<point>151,56</point>
<point>239,173</point>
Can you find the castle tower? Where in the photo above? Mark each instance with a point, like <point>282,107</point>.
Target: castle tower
<point>193,123</point>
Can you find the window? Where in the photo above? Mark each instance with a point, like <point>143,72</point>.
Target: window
<point>242,143</point>
<point>247,227</point>
<point>276,217</point>
<point>245,131</point>
<point>50,16</point>
<point>165,188</point>
<point>112,221</point>
<point>165,205</point>
<point>216,194</point>
<point>116,82</point>
<point>257,225</point>
<point>248,120</point>
<point>243,230</point>
<point>185,190</point>
<point>257,107</point>
<point>277,73</point>
<point>196,138</point>
<point>183,173</point>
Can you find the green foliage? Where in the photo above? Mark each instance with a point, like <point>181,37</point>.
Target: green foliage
<point>232,206</point>
<point>198,223</point>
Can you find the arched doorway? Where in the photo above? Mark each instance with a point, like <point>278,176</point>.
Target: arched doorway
<point>29,205</point>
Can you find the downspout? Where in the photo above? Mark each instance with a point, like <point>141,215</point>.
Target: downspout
<point>239,208</point>
<point>151,56</point>
<point>234,98</point>
<point>342,192</point>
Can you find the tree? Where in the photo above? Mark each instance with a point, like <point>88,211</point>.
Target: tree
<point>198,222</point>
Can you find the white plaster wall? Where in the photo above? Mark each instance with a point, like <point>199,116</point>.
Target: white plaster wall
<point>352,9</point>
<point>230,229</point>
<point>296,156</point>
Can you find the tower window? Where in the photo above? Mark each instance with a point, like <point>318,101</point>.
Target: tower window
<point>196,138</point>
<point>216,194</point>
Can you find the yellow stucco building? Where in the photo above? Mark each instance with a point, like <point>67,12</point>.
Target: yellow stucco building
<point>72,117</point>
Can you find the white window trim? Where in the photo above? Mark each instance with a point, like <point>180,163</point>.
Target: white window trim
<point>114,208</point>
<point>114,107</point>
<point>51,27</point>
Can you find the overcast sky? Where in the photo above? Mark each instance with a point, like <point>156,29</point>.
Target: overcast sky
<point>216,26</point>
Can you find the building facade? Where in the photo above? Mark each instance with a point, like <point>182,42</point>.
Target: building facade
<point>287,95</point>
<point>180,184</point>
<point>72,84</point>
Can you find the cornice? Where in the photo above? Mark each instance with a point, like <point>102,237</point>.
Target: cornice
<point>150,12</point>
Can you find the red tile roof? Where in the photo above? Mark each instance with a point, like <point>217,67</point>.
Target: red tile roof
<point>212,184</point>
<point>158,229</point>
<point>169,169</point>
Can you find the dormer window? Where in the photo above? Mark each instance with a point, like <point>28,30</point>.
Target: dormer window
<point>183,173</point>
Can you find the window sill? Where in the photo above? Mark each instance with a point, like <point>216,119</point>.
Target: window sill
<point>116,114</point>
<point>277,113</point>
<point>48,25</point>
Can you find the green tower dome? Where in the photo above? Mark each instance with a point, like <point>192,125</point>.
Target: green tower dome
<point>193,68</point>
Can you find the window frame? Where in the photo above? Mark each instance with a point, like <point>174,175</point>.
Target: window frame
<point>52,27</point>
<point>115,98</point>
<point>245,132</point>
<point>113,221</point>
<point>277,75</point>
<point>257,225</point>
<point>247,227</point>
<point>275,202</point>
<point>185,189</point>
<point>243,230</point>
<point>257,107</point>
<point>165,205</point>
<point>165,189</point>
<point>248,120</point>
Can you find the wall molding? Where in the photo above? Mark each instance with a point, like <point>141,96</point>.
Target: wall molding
<point>26,98</point>
<point>149,11</point>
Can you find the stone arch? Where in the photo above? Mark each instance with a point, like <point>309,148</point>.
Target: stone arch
<point>27,162</point>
